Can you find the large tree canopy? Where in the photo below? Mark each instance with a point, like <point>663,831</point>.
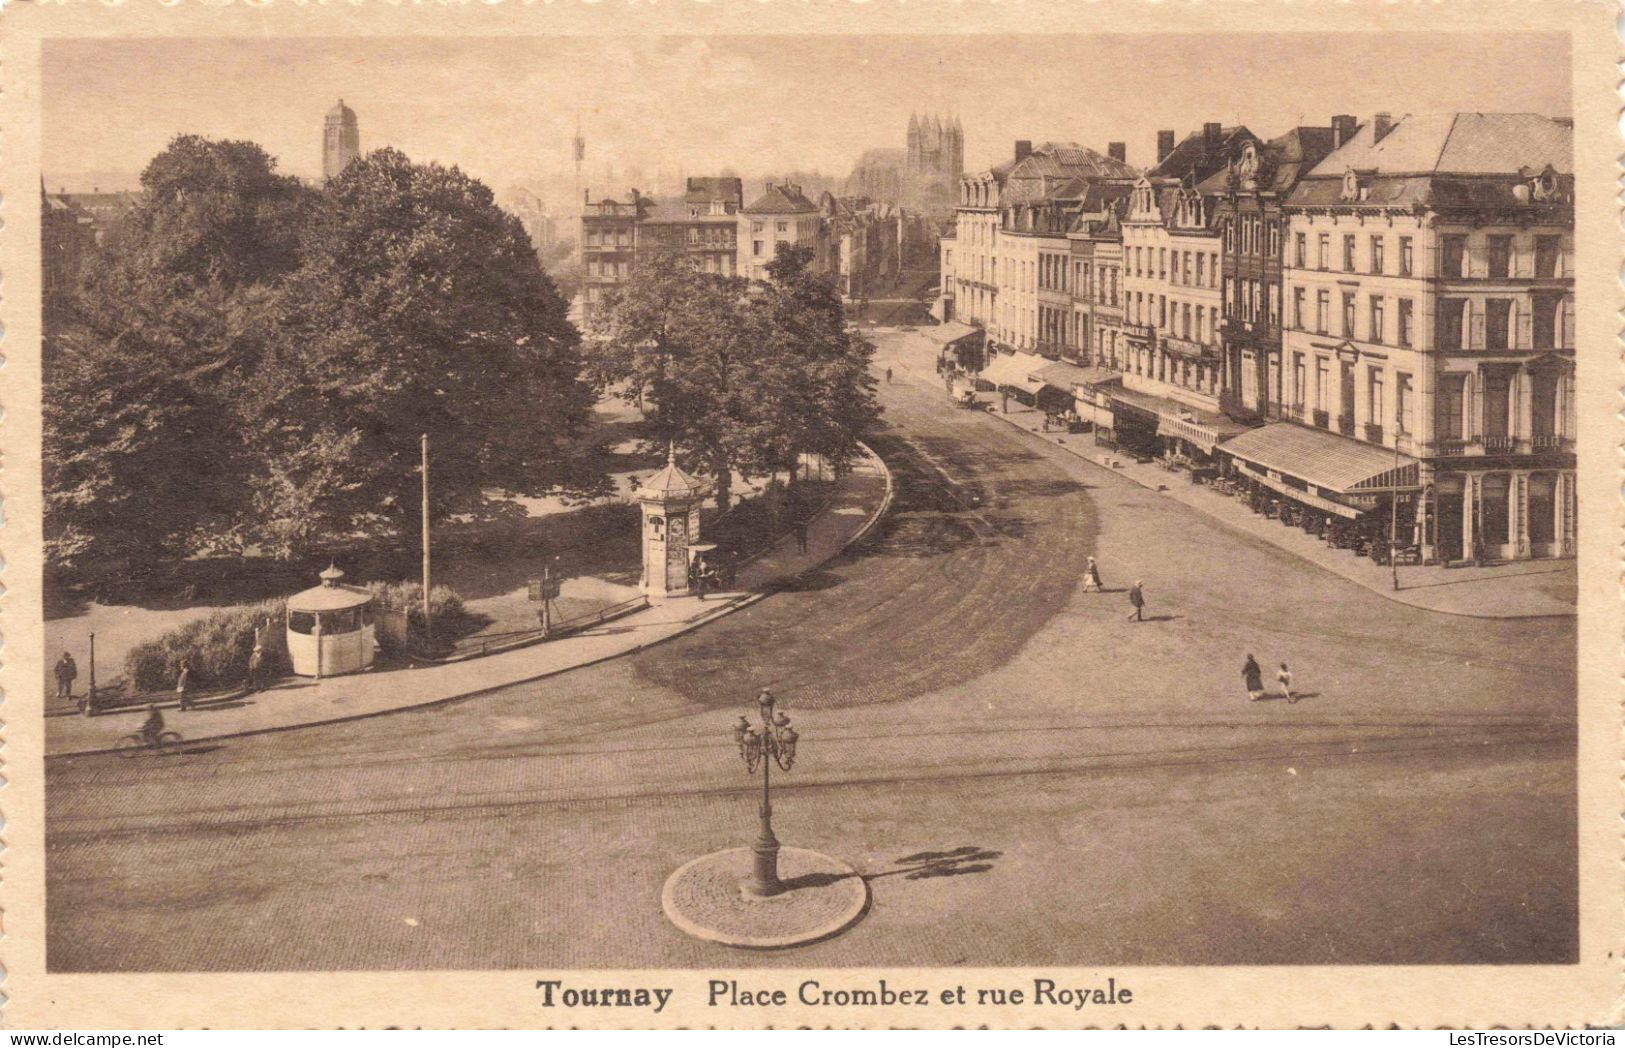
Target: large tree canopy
<point>740,377</point>
<point>252,361</point>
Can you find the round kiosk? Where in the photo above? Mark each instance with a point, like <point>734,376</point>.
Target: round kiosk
<point>330,628</point>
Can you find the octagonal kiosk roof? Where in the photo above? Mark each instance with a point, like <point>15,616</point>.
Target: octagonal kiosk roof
<point>331,595</point>
<point>671,484</point>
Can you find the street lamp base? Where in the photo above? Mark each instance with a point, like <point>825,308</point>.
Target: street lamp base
<point>822,896</point>
<point>764,880</point>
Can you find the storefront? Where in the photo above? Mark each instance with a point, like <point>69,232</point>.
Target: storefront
<point>1499,513</point>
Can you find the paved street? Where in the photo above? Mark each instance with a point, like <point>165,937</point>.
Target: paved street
<point>1027,777</point>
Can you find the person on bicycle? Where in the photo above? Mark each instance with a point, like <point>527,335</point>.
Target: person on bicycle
<point>153,726</point>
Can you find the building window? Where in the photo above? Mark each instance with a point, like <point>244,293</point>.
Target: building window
<point>1543,403</point>
<point>1274,246</point>
<point>1376,254</point>
<point>1348,314</point>
<point>1229,236</point>
<point>757,227</point>
<point>1185,321</point>
<point>1404,256</point>
<point>1376,318</point>
<point>1500,256</point>
<point>1297,381</point>
<point>1373,399</point>
<point>1497,319</point>
<point>1301,250</point>
<point>1402,402</point>
<point>1187,267</point>
<point>1323,306</point>
<point>1542,507</point>
<point>1405,322</point>
<point>1199,278</point>
<point>1162,263</point>
<point>1324,246</point>
<point>1452,402</point>
<point>1451,313</point>
<point>756,247</point>
<point>1297,308</point>
<point>1546,249</point>
<point>1497,400</point>
<point>1544,308</point>
<point>1213,270</point>
<point>1492,514</point>
<point>1453,256</point>
<point>1321,375</point>
<point>1348,252</point>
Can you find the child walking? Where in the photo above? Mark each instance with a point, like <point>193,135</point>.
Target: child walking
<point>1285,677</point>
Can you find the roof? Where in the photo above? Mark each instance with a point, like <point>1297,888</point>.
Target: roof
<point>342,111</point>
<point>331,595</point>
<point>668,210</point>
<point>781,199</point>
<point>950,332</point>
<point>704,189</point>
<point>1054,165</point>
<point>1192,158</point>
<point>1314,455</point>
<point>1015,369</point>
<point>671,483</point>
<point>1457,143</point>
<point>1066,376</point>
<point>1282,162</point>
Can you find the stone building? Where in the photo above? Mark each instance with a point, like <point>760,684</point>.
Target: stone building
<point>782,214</point>
<point>1428,346</point>
<point>341,140</point>
<point>1248,195</point>
<point>609,238</point>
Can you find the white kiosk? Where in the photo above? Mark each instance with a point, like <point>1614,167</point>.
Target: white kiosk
<point>671,526</point>
<point>330,628</point>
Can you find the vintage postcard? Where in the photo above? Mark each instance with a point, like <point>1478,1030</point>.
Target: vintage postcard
<point>846,515</point>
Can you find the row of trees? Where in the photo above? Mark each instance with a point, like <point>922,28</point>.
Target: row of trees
<point>740,377</point>
<point>250,361</point>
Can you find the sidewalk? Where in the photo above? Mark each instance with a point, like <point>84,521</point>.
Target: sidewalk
<point>860,500</point>
<point>1522,589</point>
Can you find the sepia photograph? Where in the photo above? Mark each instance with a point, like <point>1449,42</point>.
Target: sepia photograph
<point>1059,501</point>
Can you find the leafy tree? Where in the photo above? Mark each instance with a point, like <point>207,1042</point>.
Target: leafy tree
<point>420,308</point>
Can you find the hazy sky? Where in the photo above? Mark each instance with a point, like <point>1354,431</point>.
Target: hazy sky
<point>504,108</point>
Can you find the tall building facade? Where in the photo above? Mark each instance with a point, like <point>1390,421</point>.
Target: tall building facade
<point>782,214</point>
<point>936,150</point>
<point>922,176</point>
<point>1429,333</point>
<point>341,140</point>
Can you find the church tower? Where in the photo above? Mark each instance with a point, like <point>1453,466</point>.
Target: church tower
<point>341,140</point>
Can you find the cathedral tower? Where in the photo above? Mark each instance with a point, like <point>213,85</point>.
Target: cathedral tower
<point>341,140</point>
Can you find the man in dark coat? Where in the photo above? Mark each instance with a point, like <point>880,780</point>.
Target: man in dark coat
<point>1254,676</point>
<point>1136,597</point>
<point>67,671</point>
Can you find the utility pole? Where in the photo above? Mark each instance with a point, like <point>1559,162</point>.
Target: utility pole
<point>90,696</point>
<point>1393,513</point>
<point>428,622</point>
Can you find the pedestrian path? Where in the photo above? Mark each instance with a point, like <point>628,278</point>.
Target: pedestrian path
<point>858,502</point>
<point>1521,589</point>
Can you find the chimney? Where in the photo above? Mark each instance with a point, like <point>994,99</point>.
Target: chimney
<point>1118,151</point>
<point>1381,124</point>
<point>1165,145</point>
<point>1343,128</point>
<point>1024,149</point>
<point>1211,134</point>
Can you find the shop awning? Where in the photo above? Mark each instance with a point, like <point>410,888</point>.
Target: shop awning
<point>1205,429</point>
<point>1323,459</point>
<point>1069,376</point>
<point>1090,413</point>
<point>1314,501</point>
<point>1015,371</point>
<point>949,333</point>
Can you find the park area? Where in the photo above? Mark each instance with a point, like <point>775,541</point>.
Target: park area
<point>484,567</point>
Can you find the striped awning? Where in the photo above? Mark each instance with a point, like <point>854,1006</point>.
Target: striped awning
<point>1202,436</point>
<point>1315,501</point>
<point>1324,459</point>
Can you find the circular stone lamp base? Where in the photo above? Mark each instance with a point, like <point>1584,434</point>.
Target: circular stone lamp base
<point>822,897</point>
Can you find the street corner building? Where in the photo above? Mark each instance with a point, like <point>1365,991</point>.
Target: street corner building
<point>1371,321</point>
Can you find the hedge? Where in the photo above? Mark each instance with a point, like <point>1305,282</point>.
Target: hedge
<point>218,645</point>
<point>445,607</point>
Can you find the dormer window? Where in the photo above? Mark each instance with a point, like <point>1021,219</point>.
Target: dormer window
<point>1351,186</point>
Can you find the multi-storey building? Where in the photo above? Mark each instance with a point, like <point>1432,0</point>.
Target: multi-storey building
<point>609,237</point>
<point>781,215</point>
<point>1428,349</point>
<point>1008,217</point>
<point>1247,196</point>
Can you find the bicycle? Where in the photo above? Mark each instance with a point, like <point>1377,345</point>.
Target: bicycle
<point>166,743</point>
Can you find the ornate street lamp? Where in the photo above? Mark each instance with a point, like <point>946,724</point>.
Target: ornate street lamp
<point>773,743</point>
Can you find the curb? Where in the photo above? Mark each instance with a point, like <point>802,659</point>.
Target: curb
<point>723,608</point>
<point>1385,594</point>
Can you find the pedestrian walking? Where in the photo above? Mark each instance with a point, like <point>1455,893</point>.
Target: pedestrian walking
<point>183,684</point>
<point>801,535</point>
<point>1136,597</point>
<point>67,671</point>
<point>1091,577</point>
<point>1285,677</point>
<point>888,376</point>
<point>256,669</point>
<point>1254,677</point>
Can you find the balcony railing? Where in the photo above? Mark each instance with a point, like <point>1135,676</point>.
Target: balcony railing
<point>1450,445</point>
<point>1500,443</point>
<point>1345,425</point>
<point>1373,432</point>
<point>1321,418</point>
<point>1545,442</point>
